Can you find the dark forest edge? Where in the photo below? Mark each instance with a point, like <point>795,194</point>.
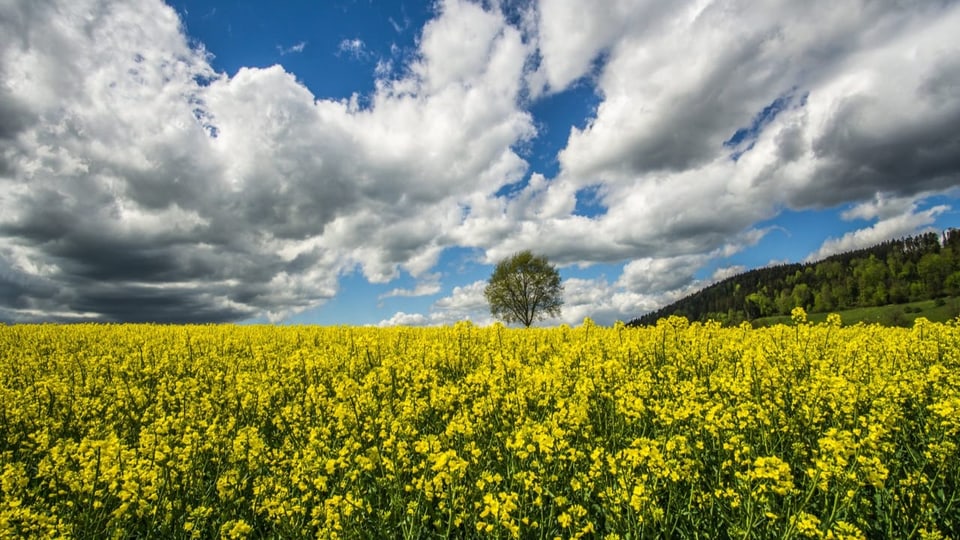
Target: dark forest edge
<point>891,283</point>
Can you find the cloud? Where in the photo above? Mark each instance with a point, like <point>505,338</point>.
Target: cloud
<point>428,287</point>
<point>458,46</point>
<point>464,303</point>
<point>399,27</point>
<point>297,48</point>
<point>605,303</point>
<point>573,33</point>
<point>353,47</point>
<point>405,319</point>
<point>649,275</point>
<point>596,298</point>
<point>699,76</point>
<point>888,228</point>
<point>644,285</point>
<point>725,272</point>
<point>882,206</point>
<point>138,184</point>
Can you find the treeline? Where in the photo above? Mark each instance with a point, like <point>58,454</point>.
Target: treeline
<point>921,267</point>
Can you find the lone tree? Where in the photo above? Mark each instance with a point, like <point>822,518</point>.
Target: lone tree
<point>524,288</point>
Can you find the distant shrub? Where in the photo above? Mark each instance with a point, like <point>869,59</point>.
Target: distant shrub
<point>895,317</point>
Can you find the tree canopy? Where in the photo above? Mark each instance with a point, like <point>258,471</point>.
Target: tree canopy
<point>524,288</point>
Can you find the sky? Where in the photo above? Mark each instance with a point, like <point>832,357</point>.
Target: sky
<point>367,163</point>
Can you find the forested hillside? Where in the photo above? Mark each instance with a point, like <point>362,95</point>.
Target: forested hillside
<point>915,268</point>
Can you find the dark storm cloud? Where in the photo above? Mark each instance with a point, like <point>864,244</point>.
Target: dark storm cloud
<point>909,164</point>
<point>161,305</point>
<point>15,291</point>
<point>24,292</point>
<point>110,279</point>
<point>919,151</point>
<point>13,117</point>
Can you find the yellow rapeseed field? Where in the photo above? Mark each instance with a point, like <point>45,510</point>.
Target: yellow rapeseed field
<point>680,430</point>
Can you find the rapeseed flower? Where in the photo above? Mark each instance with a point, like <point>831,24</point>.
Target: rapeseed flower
<point>813,430</point>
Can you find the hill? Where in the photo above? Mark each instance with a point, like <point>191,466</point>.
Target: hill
<point>911,269</point>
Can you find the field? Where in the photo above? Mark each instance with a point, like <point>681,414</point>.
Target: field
<point>680,430</point>
<point>941,310</point>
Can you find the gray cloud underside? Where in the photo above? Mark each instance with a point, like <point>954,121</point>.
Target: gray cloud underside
<point>138,184</point>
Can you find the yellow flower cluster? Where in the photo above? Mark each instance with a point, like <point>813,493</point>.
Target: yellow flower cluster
<point>679,430</point>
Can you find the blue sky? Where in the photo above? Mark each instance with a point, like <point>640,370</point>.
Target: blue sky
<point>366,162</point>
